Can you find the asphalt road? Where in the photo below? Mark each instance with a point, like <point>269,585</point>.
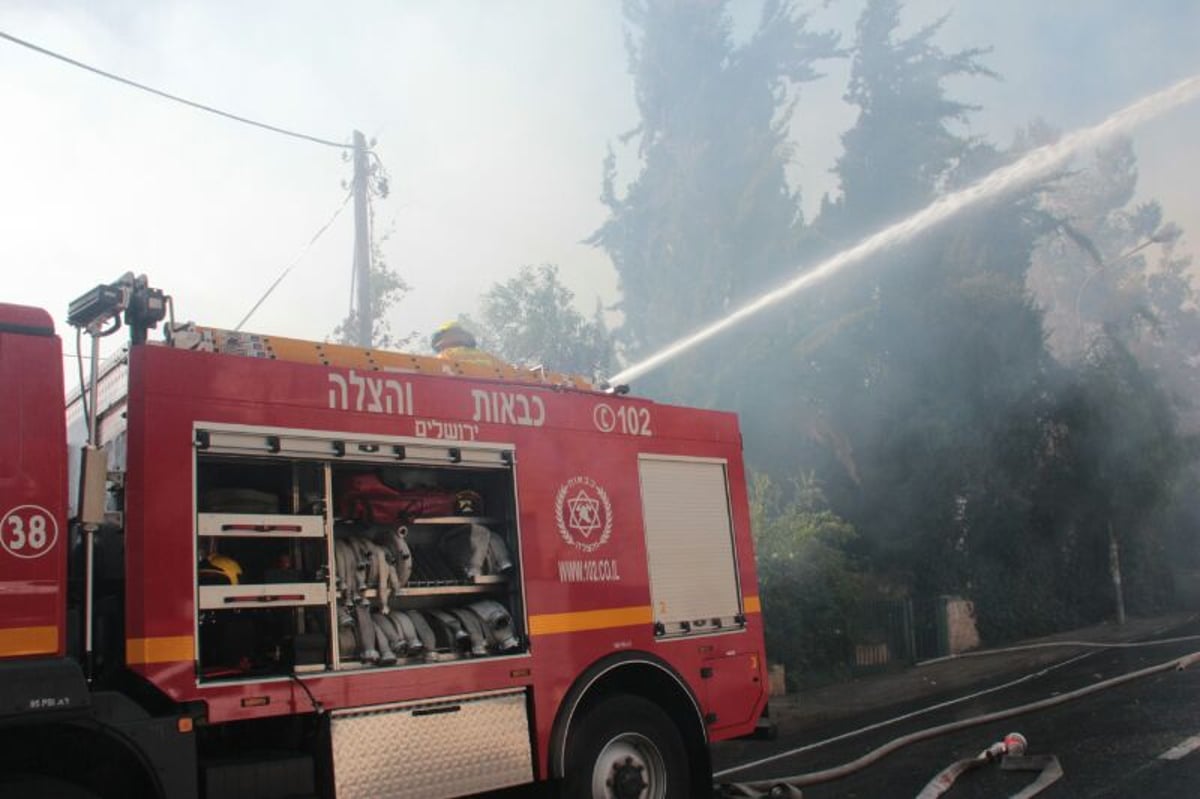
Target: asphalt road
<point>1109,744</point>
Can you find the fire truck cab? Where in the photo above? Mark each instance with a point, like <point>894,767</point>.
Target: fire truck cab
<point>238,565</point>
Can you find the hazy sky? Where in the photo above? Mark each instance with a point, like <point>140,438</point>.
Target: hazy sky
<point>491,117</point>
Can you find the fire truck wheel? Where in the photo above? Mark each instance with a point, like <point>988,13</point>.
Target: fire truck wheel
<point>33,786</point>
<point>626,748</point>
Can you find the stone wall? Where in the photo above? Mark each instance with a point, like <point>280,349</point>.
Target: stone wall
<point>775,680</point>
<point>960,624</point>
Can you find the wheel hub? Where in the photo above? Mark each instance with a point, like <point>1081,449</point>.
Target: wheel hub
<point>629,766</point>
<point>627,780</point>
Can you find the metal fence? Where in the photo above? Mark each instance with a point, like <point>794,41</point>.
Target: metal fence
<point>888,633</point>
<point>931,634</point>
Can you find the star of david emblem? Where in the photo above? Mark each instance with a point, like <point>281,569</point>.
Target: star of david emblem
<point>584,514</point>
<point>584,517</point>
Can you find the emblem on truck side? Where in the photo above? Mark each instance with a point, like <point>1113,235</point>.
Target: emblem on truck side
<point>583,513</point>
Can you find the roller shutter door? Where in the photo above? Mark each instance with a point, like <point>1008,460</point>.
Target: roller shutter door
<point>689,544</point>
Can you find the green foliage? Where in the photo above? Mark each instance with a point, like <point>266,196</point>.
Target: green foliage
<point>1109,463</point>
<point>807,582</point>
<point>710,218</point>
<point>387,289</point>
<point>921,404</point>
<point>901,149</point>
<point>957,452</point>
<point>530,320</point>
<point>1094,278</point>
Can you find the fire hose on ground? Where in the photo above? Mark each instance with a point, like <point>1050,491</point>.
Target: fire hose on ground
<point>1010,753</point>
<point>782,787</point>
<point>1093,645</point>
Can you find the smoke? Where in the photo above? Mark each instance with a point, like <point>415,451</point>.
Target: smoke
<point>1034,165</point>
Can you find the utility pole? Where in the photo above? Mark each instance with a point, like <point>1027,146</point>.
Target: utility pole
<point>362,241</point>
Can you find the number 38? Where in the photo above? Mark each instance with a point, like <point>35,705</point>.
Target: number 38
<point>28,531</point>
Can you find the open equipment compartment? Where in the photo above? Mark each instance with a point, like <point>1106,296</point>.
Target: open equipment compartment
<point>448,532</point>
<point>408,553</point>
<point>262,566</point>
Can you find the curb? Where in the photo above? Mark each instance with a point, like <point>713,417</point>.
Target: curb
<point>943,677</point>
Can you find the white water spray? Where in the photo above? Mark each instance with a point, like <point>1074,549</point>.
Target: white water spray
<point>1020,173</point>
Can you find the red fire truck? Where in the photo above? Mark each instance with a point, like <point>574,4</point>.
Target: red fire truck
<point>249,566</point>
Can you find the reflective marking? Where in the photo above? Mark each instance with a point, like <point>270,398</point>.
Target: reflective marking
<point>16,641</point>
<point>159,649</point>
<point>1188,746</point>
<point>752,604</point>
<point>550,623</point>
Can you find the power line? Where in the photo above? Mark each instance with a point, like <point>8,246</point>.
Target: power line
<point>176,98</point>
<point>295,261</point>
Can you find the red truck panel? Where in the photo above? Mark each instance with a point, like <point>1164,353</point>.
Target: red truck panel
<point>33,485</point>
<point>557,435</point>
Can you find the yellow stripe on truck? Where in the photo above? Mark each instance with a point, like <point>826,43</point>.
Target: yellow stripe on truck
<point>159,649</point>
<point>17,641</point>
<point>579,621</point>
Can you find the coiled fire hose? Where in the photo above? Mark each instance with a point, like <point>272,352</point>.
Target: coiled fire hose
<point>1011,754</point>
<point>784,787</point>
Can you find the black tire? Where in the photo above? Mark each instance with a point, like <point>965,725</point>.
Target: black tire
<point>626,748</point>
<point>34,786</point>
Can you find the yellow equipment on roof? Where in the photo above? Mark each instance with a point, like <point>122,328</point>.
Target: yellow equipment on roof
<point>254,345</point>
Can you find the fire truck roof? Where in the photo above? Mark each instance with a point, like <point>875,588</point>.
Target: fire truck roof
<point>210,339</point>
